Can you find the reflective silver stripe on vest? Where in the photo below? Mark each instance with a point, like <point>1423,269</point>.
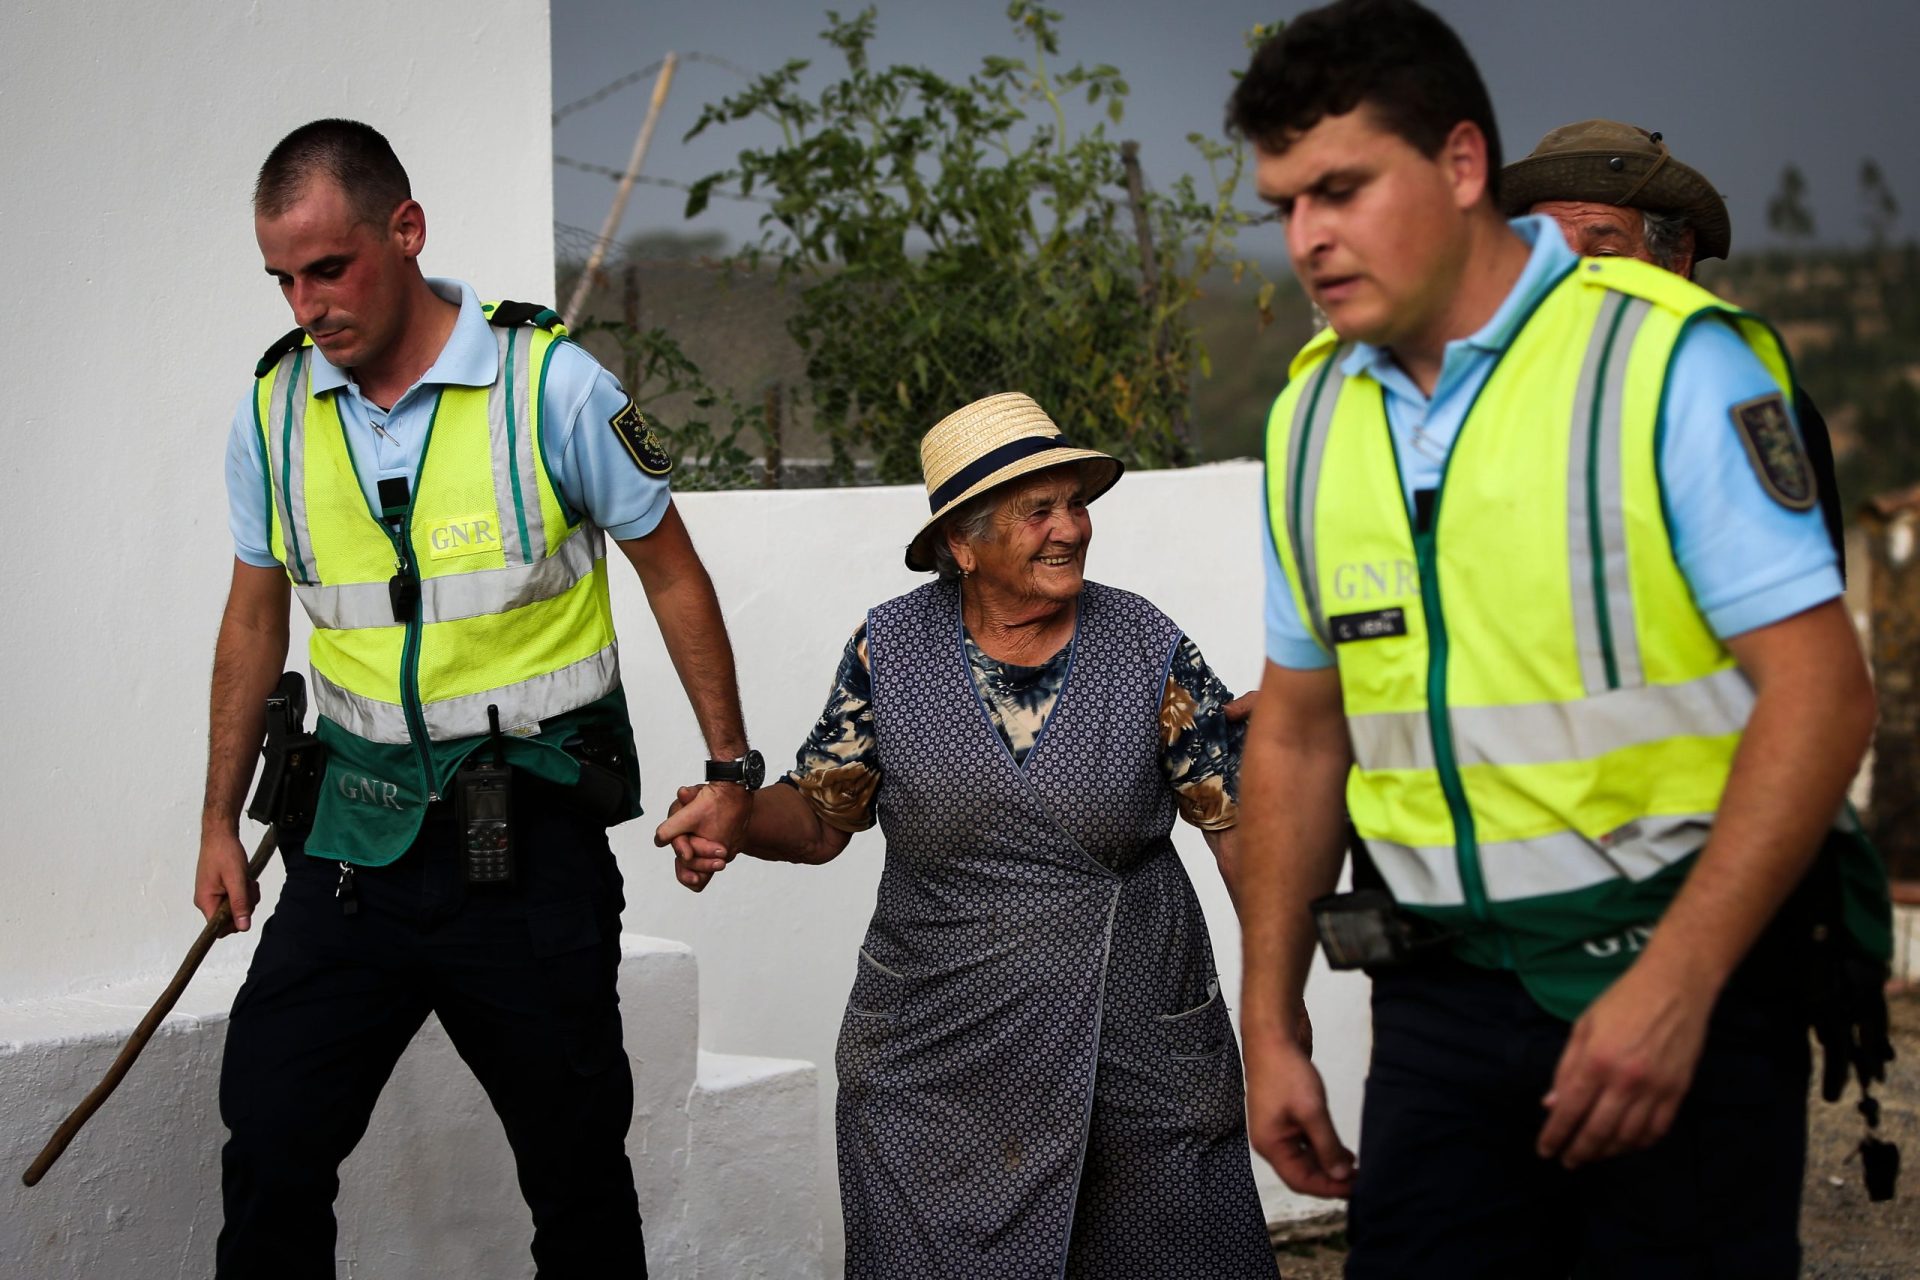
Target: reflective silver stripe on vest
<point>528,702</point>
<point>367,718</point>
<point>524,704</point>
<point>287,442</point>
<point>1563,862</point>
<point>1311,419</point>
<point>1551,732</point>
<point>460,595</point>
<point>1596,504</point>
<point>515,470</point>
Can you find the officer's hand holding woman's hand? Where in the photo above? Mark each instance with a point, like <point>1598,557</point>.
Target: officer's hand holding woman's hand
<point>221,877</point>
<point>1287,1115</point>
<point>697,814</point>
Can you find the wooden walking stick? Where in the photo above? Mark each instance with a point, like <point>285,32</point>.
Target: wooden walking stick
<point>288,789</point>
<point>216,925</point>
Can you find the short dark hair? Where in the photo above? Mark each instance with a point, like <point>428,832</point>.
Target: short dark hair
<point>352,154</point>
<point>1395,56</point>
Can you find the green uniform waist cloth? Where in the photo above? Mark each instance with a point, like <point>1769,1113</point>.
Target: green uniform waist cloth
<point>1568,948</point>
<point>374,798</point>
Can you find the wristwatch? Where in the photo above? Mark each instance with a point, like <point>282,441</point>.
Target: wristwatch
<point>750,770</point>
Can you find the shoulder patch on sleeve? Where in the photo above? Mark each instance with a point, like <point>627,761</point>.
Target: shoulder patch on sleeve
<point>1775,450</point>
<point>642,445</point>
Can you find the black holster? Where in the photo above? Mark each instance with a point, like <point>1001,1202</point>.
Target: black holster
<point>602,790</point>
<point>294,763</point>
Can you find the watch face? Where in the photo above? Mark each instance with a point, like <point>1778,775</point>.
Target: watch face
<point>749,770</point>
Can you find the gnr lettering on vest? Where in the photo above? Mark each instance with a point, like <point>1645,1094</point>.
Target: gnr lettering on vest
<point>1630,940</point>
<point>1376,580</point>
<point>463,536</point>
<point>375,791</point>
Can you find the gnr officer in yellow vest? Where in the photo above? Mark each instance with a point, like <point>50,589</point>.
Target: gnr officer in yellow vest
<point>1552,616</point>
<point>435,479</point>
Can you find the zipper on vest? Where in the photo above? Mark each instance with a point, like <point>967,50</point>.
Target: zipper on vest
<point>400,534</point>
<point>410,656</point>
<point>1466,842</point>
<point>1466,839</point>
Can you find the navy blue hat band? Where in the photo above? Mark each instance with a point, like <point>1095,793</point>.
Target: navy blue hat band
<point>988,463</point>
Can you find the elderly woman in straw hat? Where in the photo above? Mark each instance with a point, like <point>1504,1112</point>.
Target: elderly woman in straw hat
<point>1037,1073</point>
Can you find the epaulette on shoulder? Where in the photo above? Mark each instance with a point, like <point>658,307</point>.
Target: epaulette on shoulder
<point>509,315</point>
<point>1644,280</point>
<point>277,351</point>
<point>1318,348</point>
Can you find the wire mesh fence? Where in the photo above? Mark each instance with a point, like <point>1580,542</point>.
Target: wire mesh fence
<point>749,386</point>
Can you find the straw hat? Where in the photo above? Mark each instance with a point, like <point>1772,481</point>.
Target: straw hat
<point>1606,162</point>
<point>986,444</point>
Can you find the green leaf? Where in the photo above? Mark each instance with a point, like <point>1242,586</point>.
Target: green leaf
<point>1102,281</point>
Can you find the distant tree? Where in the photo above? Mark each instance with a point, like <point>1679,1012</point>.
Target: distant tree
<point>1878,207</point>
<point>1787,212</point>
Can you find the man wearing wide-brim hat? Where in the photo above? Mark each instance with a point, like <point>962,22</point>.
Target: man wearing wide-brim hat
<point>1616,190</point>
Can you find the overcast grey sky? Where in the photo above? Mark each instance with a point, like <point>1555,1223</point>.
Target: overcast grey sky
<point>1739,87</point>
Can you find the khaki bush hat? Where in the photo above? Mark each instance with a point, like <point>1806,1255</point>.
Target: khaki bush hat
<point>1607,162</point>
<point>986,444</point>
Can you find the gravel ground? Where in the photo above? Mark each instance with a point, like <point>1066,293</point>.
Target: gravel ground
<point>1846,1236</point>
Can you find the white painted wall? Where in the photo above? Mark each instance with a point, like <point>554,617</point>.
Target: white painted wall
<point>795,572</point>
<point>136,309</point>
<point>430,1192</point>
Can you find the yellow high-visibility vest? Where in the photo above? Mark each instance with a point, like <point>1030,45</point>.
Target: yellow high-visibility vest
<point>508,612</point>
<point>1542,721</point>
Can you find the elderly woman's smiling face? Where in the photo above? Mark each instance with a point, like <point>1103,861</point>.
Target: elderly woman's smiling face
<point>1037,544</point>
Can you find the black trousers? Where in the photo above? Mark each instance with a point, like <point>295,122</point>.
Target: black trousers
<point>523,980</point>
<point>1449,1184</point>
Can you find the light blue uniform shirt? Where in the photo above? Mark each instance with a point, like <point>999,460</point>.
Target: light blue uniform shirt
<point>593,472</point>
<point>1748,560</point>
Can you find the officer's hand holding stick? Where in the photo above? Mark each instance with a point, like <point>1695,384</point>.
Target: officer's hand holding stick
<point>217,924</point>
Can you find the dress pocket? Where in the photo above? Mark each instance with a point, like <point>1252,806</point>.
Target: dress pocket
<point>877,990</point>
<point>1200,1032</point>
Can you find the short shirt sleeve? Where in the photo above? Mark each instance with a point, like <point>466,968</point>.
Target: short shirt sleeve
<point>1749,559</point>
<point>1199,749</point>
<point>837,769</point>
<point>596,470</point>
<point>1290,643</point>
<point>247,514</point>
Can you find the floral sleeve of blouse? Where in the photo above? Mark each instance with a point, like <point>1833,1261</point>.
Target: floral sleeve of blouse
<point>837,770</point>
